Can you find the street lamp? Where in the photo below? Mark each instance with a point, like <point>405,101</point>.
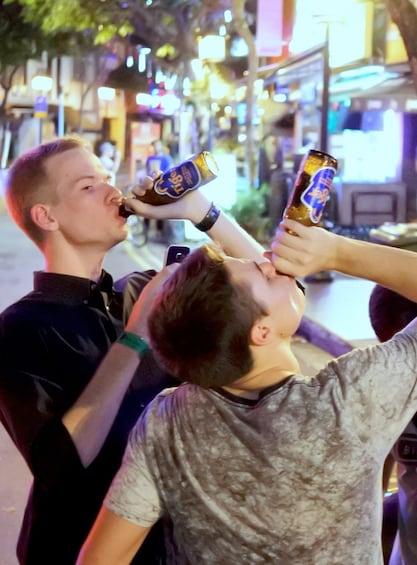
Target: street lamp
<point>325,91</point>
<point>41,83</point>
<point>326,13</point>
<point>211,48</point>
<point>106,95</point>
<point>60,93</point>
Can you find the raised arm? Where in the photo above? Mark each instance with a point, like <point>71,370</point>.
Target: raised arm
<point>311,249</point>
<point>90,418</point>
<point>194,207</point>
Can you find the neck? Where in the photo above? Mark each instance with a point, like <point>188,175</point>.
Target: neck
<point>271,366</point>
<point>86,263</point>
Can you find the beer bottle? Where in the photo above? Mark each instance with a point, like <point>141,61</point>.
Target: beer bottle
<point>177,181</point>
<point>311,188</point>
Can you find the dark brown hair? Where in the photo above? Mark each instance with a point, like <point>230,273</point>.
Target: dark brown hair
<point>200,323</point>
<point>28,184</point>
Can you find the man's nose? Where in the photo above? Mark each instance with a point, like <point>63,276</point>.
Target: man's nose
<point>268,269</point>
<point>114,192</point>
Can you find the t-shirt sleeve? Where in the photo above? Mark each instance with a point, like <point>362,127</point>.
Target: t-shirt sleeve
<point>378,386</point>
<point>133,494</point>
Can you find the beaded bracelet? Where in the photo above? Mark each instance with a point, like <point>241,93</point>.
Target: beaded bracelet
<point>134,342</point>
<point>209,219</point>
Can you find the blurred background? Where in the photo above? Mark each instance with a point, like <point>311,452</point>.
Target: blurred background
<point>258,83</point>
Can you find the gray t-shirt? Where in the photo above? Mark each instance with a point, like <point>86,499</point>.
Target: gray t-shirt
<point>291,478</point>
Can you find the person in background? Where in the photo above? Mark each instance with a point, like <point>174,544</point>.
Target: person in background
<point>270,158</point>
<point>110,158</point>
<point>248,461</point>
<point>276,182</point>
<point>74,371</point>
<point>173,145</point>
<point>158,162</point>
<point>389,313</point>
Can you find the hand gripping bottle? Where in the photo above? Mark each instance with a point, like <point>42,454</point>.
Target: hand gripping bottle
<point>179,180</point>
<point>311,188</point>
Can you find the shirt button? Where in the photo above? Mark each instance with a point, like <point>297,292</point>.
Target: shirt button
<point>85,301</point>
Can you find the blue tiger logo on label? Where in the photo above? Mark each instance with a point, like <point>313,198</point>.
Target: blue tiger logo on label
<point>178,181</point>
<point>317,192</point>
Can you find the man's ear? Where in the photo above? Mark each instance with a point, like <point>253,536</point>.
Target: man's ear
<point>42,217</point>
<point>260,333</point>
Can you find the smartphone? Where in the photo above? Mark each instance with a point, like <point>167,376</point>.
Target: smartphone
<point>176,253</point>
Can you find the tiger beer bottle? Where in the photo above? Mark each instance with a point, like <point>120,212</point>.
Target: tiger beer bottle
<point>179,180</point>
<point>311,188</point>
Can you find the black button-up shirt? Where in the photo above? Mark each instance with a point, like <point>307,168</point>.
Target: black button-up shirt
<point>51,342</point>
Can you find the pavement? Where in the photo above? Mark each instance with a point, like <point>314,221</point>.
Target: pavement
<point>336,320</point>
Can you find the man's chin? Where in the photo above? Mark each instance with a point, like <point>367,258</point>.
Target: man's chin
<point>122,236</point>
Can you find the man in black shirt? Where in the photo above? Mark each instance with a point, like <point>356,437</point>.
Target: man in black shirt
<point>75,370</point>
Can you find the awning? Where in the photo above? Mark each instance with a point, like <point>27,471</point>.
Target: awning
<point>295,68</point>
<point>395,93</point>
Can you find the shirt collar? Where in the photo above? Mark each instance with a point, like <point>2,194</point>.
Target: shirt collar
<point>71,289</point>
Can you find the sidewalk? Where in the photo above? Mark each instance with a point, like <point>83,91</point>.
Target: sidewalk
<point>337,314</point>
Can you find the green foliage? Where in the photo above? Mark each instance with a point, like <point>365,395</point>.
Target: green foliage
<point>26,40</point>
<point>155,23</point>
<point>104,19</point>
<point>250,212</point>
<point>20,40</point>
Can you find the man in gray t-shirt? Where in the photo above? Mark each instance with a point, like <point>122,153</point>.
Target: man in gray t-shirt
<point>248,461</point>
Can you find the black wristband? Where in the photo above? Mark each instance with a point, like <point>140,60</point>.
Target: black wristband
<point>209,219</point>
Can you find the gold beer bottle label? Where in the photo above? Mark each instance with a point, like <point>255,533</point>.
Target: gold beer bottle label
<point>185,177</point>
<point>177,181</point>
<point>312,188</point>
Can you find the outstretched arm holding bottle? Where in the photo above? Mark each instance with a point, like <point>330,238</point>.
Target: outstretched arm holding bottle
<point>311,249</point>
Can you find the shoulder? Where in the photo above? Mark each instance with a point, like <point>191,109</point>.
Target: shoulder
<point>24,335</point>
<point>134,282</point>
<point>172,402</point>
<point>26,310</point>
<point>168,160</point>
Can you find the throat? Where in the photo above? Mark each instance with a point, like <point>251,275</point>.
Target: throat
<point>253,385</point>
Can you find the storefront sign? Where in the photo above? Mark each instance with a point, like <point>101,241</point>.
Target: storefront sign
<point>269,28</point>
<point>41,107</point>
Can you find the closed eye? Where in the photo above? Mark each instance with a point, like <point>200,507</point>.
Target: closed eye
<point>300,286</point>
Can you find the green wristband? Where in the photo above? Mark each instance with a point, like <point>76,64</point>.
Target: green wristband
<point>134,342</point>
